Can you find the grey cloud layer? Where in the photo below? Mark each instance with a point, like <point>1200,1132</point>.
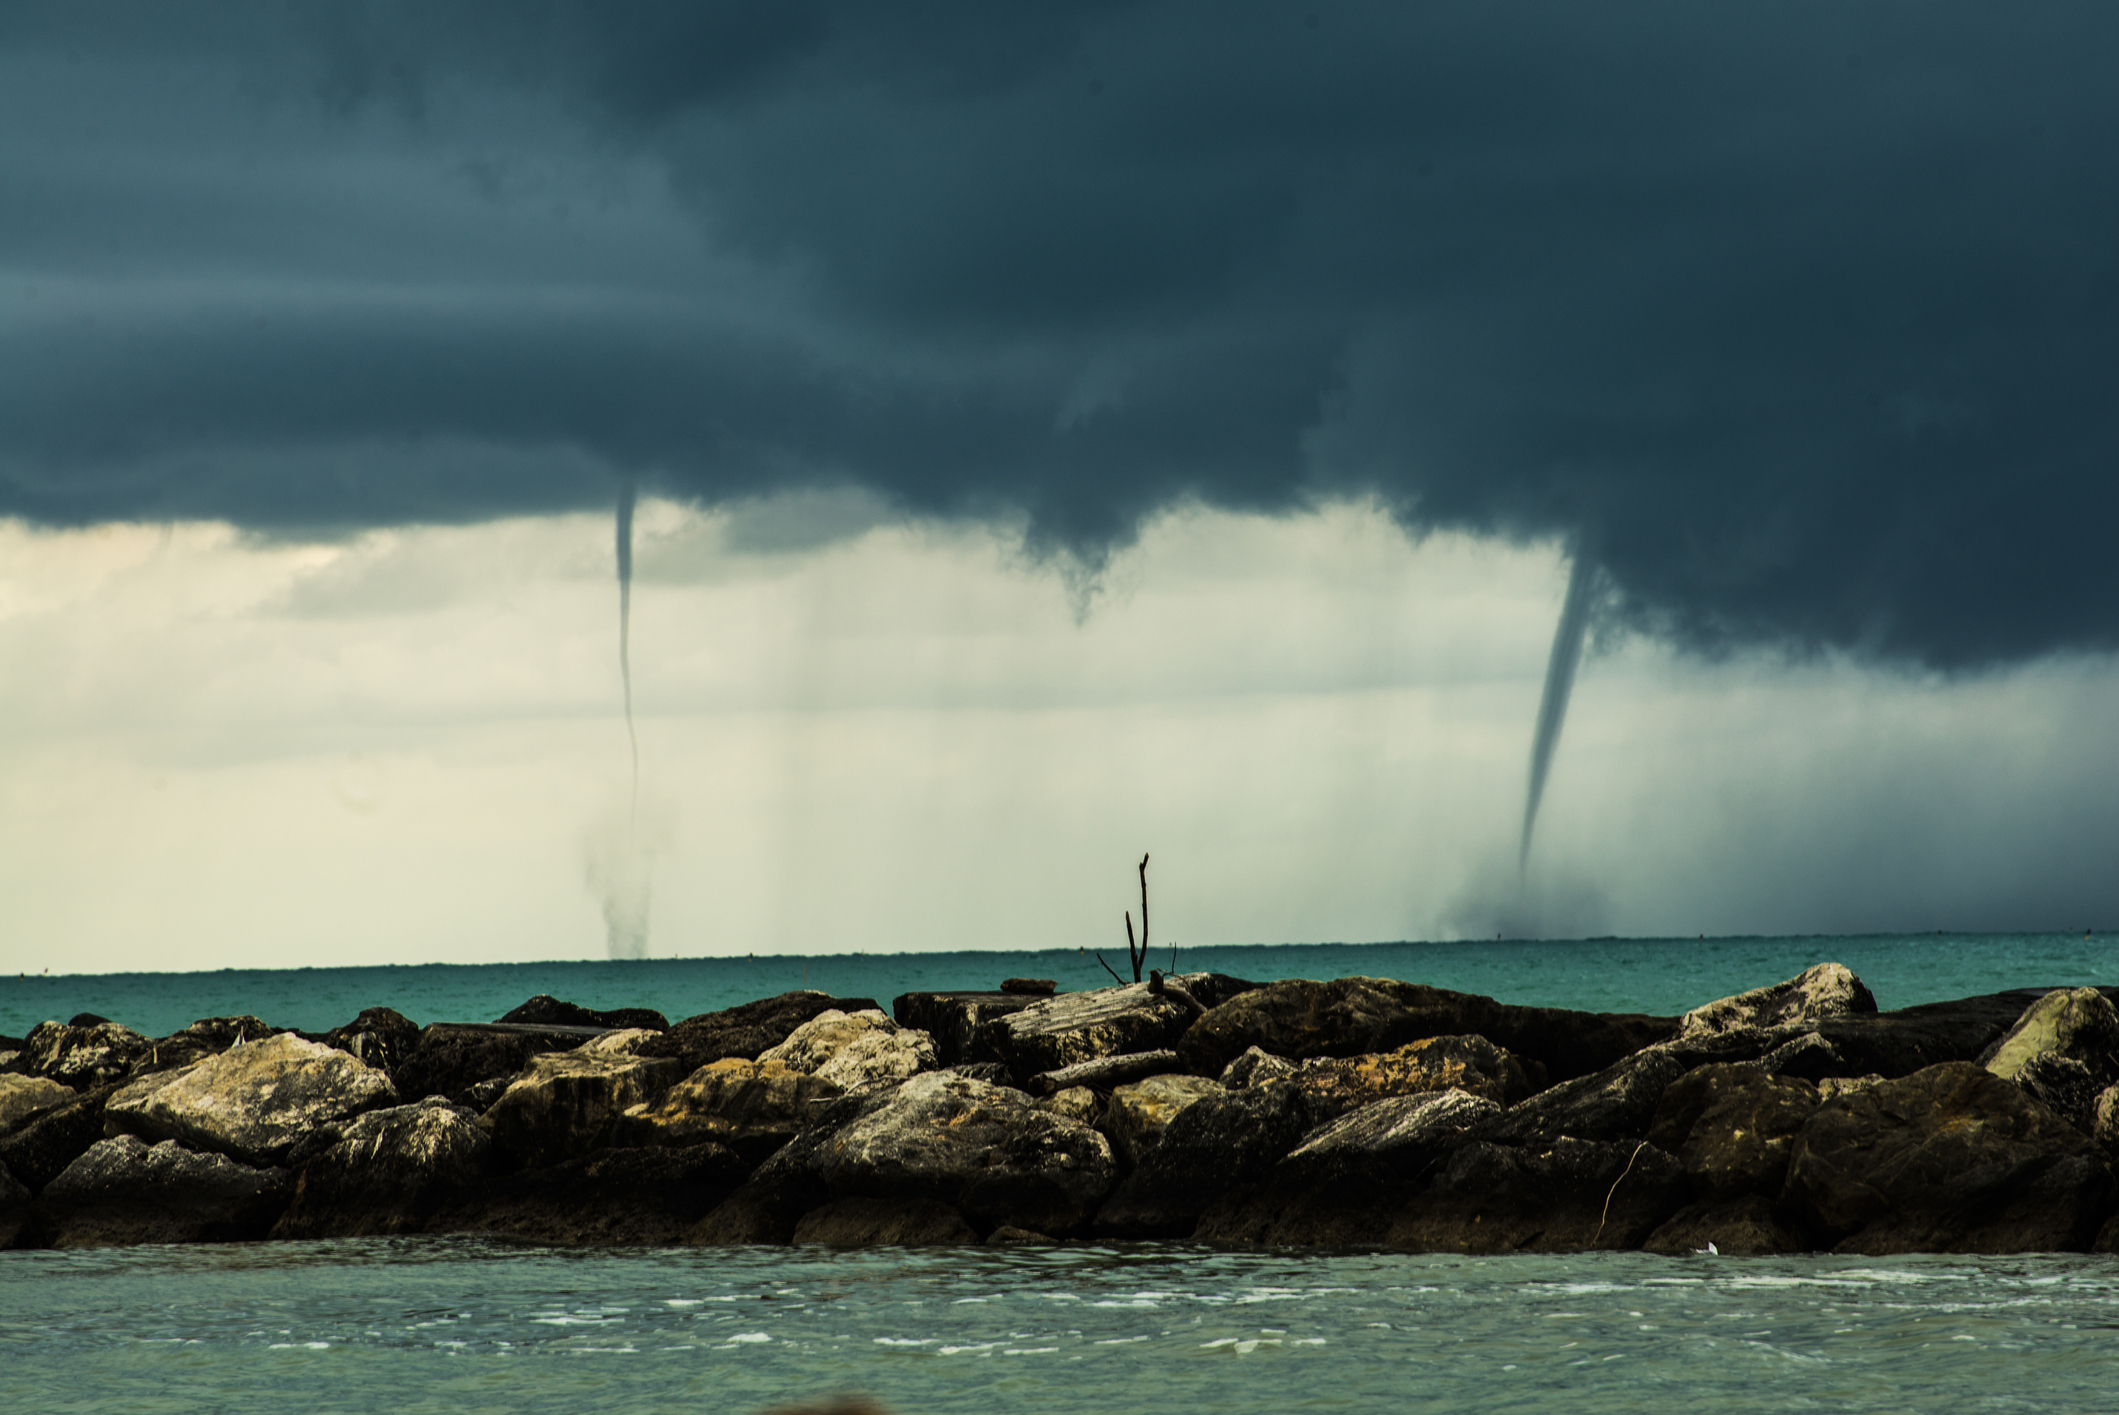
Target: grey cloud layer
<point>1801,319</point>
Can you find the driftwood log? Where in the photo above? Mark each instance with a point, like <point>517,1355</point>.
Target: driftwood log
<point>1105,1072</point>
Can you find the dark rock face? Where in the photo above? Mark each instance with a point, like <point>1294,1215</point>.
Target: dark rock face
<point>14,1208</point>
<point>1617,1103</point>
<point>875,1223</point>
<point>621,1196</point>
<point>544,1010</point>
<point>766,1208</point>
<point>1899,1043</point>
<point>1300,1019</point>
<point>1733,1127</point>
<point>127,1191</point>
<point>85,1056</point>
<point>568,1103</point>
<point>47,1143</point>
<point>380,1037</point>
<point>1211,1147</point>
<point>753,1107</point>
<point>209,1036</point>
<point>1951,1159</point>
<point>1750,1226</point>
<point>1074,1027</point>
<point>451,1060</point>
<point>1571,1196</point>
<point>2065,1086</point>
<point>747,1031</point>
<point>389,1171</point>
<point>1335,1085</point>
<point>957,1020</point>
<point>24,1096</point>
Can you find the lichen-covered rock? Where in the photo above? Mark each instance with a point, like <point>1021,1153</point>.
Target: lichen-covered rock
<point>1139,1114</point>
<point>753,1107</point>
<point>1254,1064</point>
<point>856,1051</point>
<point>82,1055</point>
<point>1081,1026</point>
<point>544,1010</point>
<point>567,1103</point>
<point>1617,1103</point>
<point>957,1020</point>
<point>381,1037</point>
<point>454,1060</point>
<point>1570,1196</point>
<point>255,1102</point>
<point>1750,1226</point>
<point>1826,990</point>
<point>1733,1127</point>
<point>747,1031</point>
<point>608,1197</point>
<point>2079,1024</point>
<point>878,1223</point>
<point>1337,1085</point>
<point>1075,1103</point>
<point>1952,1159</point>
<point>126,1191</point>
<point>1212,1146</point>
<point>388,1171</point>
<point>24,1096</point>
<point>36,1150</point>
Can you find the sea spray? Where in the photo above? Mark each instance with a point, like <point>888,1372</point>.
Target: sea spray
<point>618,866</point>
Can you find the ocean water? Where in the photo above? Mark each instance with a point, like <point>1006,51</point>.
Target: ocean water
<point>1664,976</point>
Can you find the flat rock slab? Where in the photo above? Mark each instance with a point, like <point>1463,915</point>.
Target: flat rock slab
<point>255,1102</point>
<point>126,1191</point>
<point>1074,1027</point>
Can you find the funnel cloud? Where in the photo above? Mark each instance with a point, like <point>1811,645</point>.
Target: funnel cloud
<point>1567,640</point>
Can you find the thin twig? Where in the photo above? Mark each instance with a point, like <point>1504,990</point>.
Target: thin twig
<point>1111,970</point>
<point>1615,1189</point>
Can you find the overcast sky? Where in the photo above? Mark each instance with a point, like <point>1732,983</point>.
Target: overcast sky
<point>1060,434</point>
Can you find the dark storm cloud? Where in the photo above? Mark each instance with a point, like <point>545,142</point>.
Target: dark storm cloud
<point>1800,319</point>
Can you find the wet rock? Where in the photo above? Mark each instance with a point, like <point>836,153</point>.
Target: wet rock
<point>1008,1234</point>
<point>544,1010</point>
<point>1827,990</point>
<point>1140,1113</point>
<point>14,1209</point>
<point>1075,1103</point>
<point>753,1107</point>
<point>957,1020</point>
<point>855,1051</point>
<point>82,1057</point>
<point>1951,1159</point>
<point>24,1096</point>
<point>453,1059</point>
<point>878,1223</point>
<point>254,1102</point>
<point>567,1103</point>
<point>380,1037</point>
<point>610,1197</point>
<point>39,1148</point>
<point>1075,1027</point>
<point>126,1191</point>
<point>1617,1103</point>
<point>1254,1064</point>
<point>1335,1086</point>
<point>1750,1226</point>
<point>2077,1024</point>
<point>747,1031</point>
<point>1571,1196</point>
<point>1301,1019</point>
<point>1212,1146</point>
<point>388,1171</point>
<point>1733,1127</point>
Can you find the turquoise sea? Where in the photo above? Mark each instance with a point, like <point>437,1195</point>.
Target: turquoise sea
<point>458,1324</point>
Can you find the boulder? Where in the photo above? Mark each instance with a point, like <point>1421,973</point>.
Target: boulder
<point>1751,1226</point>
<point>1212,1146</point>
<point>747,1031</point>
<point>1255,1064</point>
<point>567,1103</point>
<point>855,1051</point>
<point>544,1010</point>
<point>1074,1027</point>
<point>877,1223</point>
<point>2078,1024</point>
<point>24,1096</point>
<point>126,1191</point>
<point>453,1059</point>
<point>2104,1119</point>
<point>1911,1039</point>
<point>1570,1196</point>
<point>2065,1086</point>
<point>14,1209</point>
<point>1952,1159</point>
<point>40,1147</point>
<point>380,1037</point>
<point>1301,1019</point>
<point>957,1020</point>
<point>607,1198</point>
<point>1139,1114</point>
<point>1826,990</point>
<point>768,1205</point>
<point>1733,1127</point>
<point>388,1171</point>
<point>753,1107</point>
<point>83,1054</point>
<point>209,1036</point>
<point>1474,1064</point>
<point>1617,1103</point>
<point>1076,1103</point>
<point>254,1102</point>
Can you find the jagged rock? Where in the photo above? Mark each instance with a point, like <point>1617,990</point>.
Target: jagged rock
<point>747,1031</point>
<point>544,1010</point>
<point>380,1037</point>
<point>1736,1044</point>
<point>40,1147</point>
<point>1911,1039</point>
<point>1080,1026</point>
<point>1617,1103</point>
<point>567,1103</point>
<point>1833,1087</point>
<point>388,1171</point>
<point>877,1223</point>
<point>1827,990</point>
<point>617,1196</point>
<point>2066,1086</point>
<point>1809,1057</point>
<point>24,1096</point>
<point>1571,1196</point>
<point>1733,1127</point>
<point>1139,1114</point>
<point>856,1051</point>
<point>452,1059</point>
<point>1212,1146</point>
<point>82,1056</point>
<point>209,1036</point>
<point>2076,1023</point>
<point>1076,1103</point>
<point>753,1107</point>
<point>1255,1064</point>
<point>126,1191</point>
<point>1301,1019</point>
<point>1750,1226</point>
<point>957,1020</point>
<point>254,1102</point>
<point>1335,1086</point>
<point>1951,1159</point>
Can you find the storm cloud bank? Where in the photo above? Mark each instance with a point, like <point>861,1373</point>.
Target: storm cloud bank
<point>1800,320</point>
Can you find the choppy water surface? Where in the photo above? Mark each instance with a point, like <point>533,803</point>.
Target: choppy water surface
<point>464,1325</point>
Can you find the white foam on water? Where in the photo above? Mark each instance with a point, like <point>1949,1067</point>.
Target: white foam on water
<point>748,1338</point>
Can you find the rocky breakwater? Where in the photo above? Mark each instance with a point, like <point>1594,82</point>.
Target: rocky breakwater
<point>1352,1112</point>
